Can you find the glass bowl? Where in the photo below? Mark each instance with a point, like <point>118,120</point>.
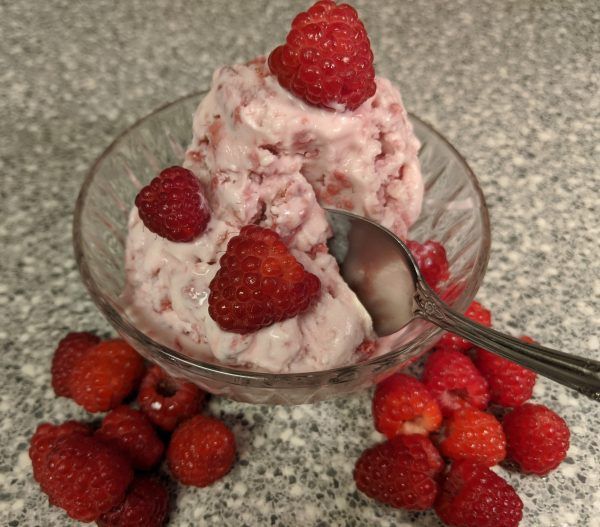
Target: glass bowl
<point>454,213</point>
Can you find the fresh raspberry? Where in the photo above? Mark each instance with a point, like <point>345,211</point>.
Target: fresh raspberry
<point>85,476</point>
<point>132,432</point>
<point>70,349</point>
<point>166,401</point>
<point>537,438</point>
<point>400,472</point>
<point>106,375</point>
<point>455,382</point>
<point>146,505</point>
<point>327,59</point>
<point>173,205</point>
<point>45,437</point>
<point>202,450</point>
<point>402,405</point>
<point>474,496</point>
<point>259,283</point>
<point>432,261</point>
<point>475,312</point>
<point>476,435</point>
<point>510,384</point>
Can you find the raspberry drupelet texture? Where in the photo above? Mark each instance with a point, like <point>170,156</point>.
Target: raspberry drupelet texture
<point>327,59</point>
<point>432,261</point>
<point>85,476</point>
<point>400,472</point>
<point>202,450</point>
<point>403,405</point>
<point>132,432</point>
<point>475,312</point>
<point>70,349</point>
<point>259,283</point>
<point>455,382</point>
<point>173,205</point>
<point>474,496</point>
<point>537,438</point>
<point>146,505</point>
<point>166,401</point>
<point>106,375</point>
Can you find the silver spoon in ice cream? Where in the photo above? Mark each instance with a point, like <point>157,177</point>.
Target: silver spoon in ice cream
<point>372,259</point>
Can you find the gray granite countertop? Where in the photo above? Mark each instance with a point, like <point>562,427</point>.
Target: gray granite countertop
<point>512,84</point>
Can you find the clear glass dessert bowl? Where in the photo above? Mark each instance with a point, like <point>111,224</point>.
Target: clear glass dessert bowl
<point>454,213</point>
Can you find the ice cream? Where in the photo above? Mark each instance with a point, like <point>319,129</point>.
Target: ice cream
<point>264,156</point>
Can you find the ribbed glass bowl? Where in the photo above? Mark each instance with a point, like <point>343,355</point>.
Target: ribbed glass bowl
<point>454,213</point>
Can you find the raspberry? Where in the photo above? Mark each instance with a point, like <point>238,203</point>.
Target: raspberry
<point>475,312</point>
<point>202,450</point>
<point>537,438</point>
<point>510,384</point>
<point>474,496</point>
<point>475,435</point>
<point>402,405</point>
<point>454,381</point>
<point>327,59</point>
<point>132,432</point>
<point>400,472</point>
<point>70,349</point>
<point>107,374</point>
<point>432,261</point>
<point>173,205</point>
<point>166,401</point>
<point>45,437</point>
<point>146,505</point>
<point>85,476</point>
<point>259,283</point>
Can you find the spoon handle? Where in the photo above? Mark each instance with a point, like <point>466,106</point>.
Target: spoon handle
<point>578,373</point>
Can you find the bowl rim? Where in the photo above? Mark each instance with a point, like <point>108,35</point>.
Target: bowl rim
<point>240,376</point>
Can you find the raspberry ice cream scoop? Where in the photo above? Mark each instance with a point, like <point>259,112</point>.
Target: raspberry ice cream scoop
<point>266,157</point>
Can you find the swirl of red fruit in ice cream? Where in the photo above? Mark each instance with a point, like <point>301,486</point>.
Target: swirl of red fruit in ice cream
<point>327,59</point>
<point>259,283</point>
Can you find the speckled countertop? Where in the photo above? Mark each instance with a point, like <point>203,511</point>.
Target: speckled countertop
<point>512,84</point>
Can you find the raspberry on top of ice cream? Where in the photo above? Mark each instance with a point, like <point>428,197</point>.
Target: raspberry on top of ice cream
<point>327,59</point>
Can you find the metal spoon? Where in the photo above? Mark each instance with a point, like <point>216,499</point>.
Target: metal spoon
<point>372,260</point>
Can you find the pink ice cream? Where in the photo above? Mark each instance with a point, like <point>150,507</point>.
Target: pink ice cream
<point>266,157</point>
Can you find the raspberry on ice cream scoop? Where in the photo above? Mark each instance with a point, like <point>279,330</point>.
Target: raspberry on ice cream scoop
<point>474,496</point>
<point>202,450</point>
<point>166,401</point>
<point>70,349</point>
<point>537,438</point>
<point>327,58</point>
<point>400,472</point>
<point>259,283</point>
<point>475,312</point>
<point>432,261</point>
<point>403,405</point>
<point>173,205</point>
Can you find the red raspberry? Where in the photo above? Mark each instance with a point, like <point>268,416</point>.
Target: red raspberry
<point>455,382</point>
<point>202,450</point>
<point>132,432</point>
<point>166,401</point>
<point>146,505</point>
<point>400,472</point>
<point>402,405</point>
<point>259,283</point>
<point>537,438</point>
<point>45,437</point>
<point>106,375</point>
<point>432,261</point>
<point>510,384</point>
<point>70,349</point>
<point>474,496</point>
<point>475,435</point>
<point>85,476</point>
<point>475,312</point>
<point>327,59</point>
<point>173,205</point>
